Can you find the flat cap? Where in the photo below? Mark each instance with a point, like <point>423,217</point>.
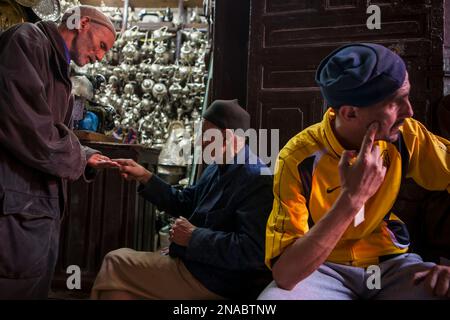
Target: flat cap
<point>227,114</point>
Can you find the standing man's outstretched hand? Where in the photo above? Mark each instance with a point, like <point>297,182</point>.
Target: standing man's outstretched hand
<point>99,161</point>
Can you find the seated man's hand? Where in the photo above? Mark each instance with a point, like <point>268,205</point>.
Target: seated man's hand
<point>99,161</point>
<point>181,231</point>
<point>130,170</point>
<point>437,280</point>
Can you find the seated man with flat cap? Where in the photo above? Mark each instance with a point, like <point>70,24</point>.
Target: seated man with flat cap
<point>217,240</point>
<point>332,233</point>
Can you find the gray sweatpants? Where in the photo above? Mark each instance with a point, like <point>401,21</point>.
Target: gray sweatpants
<point>341,282</point>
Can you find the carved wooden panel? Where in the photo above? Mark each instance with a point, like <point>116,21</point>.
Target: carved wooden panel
<point>288,39</point>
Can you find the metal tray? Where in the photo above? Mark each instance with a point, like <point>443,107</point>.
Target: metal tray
<point>48,10</point>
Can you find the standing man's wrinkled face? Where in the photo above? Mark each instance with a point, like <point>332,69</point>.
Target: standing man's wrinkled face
<point>390,115</point>
<point>91,42</point>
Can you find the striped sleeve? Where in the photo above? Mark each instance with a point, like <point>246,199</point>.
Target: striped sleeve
<point>429,164</point>
<point>289,217</point>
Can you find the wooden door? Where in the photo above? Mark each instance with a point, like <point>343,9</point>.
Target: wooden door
<point>289,38</point>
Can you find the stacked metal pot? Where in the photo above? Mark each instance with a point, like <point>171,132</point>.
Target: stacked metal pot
<point>149,86</point>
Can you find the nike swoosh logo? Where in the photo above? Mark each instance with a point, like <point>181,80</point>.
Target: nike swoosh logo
<point>330,190</point>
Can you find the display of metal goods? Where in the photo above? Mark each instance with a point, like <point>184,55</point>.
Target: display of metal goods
<point>151,82</point>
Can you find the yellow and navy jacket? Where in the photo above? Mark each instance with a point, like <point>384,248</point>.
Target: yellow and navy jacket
<point>307,183</point>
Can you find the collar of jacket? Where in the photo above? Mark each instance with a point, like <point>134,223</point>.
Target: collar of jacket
<point>329,134</point>
<point>50,30</point>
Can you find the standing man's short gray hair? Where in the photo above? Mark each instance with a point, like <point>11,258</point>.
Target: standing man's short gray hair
<point>94,14</point>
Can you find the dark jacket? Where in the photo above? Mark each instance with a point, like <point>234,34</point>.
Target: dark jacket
<point>229,206</point>
<point>38,152</point>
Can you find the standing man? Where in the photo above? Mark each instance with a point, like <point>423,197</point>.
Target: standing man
<point>38,152</point>
<point>336,183</point>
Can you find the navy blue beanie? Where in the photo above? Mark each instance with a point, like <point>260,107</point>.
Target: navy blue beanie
<point>360,75</point>
<point>227,114</point>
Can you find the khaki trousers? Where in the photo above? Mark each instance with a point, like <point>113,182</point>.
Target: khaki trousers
<point>149,275</point>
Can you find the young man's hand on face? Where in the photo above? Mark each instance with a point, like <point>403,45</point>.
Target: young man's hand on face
<point>362,178</point>
<point>130,170</point>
